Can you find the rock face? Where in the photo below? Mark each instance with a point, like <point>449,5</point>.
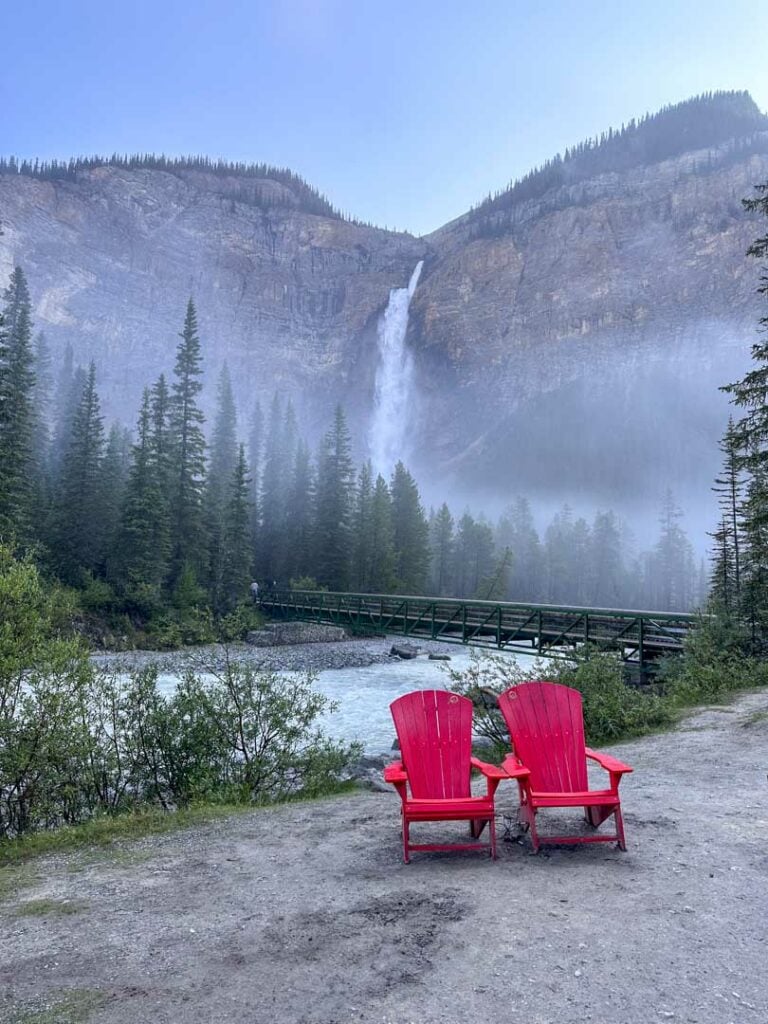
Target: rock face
<point>568,342</point>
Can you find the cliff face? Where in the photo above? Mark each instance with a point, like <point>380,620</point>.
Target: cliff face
<point>284,296</point>
<point>569,336</point>
<point>606,315</point>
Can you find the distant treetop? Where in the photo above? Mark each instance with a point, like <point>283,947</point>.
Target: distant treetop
<point>702,122</point>
<point>249,187</point>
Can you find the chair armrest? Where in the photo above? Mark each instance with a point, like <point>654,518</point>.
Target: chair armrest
<point>490,771</point>
<point>611,764</point>
<point>514,768</point>
<point>395,773</point>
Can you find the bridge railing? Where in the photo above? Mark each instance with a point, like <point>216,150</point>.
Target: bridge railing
<point>640,636</point>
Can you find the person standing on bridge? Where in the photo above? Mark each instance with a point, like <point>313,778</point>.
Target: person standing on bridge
<point>255,592</point>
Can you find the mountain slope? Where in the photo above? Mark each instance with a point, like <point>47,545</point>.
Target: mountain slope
<point>569,333</point>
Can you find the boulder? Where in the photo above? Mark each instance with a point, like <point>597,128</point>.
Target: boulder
<point>404,651</point>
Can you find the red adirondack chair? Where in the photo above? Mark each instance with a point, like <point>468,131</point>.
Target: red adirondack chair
<point>434,728</point>
<point>546,725</point>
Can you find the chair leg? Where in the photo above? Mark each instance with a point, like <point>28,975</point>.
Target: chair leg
<point>620,827</point>
<point>492,830</point>
<point>406,840</point>
<point>534,833</point>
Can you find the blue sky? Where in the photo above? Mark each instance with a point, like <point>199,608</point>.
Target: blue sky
<point>403,113</point>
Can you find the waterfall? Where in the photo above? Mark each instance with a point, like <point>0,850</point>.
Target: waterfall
<point>393,396</point>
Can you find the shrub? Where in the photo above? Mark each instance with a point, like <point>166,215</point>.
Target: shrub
<point>612,710</point>
<point>713,664</point>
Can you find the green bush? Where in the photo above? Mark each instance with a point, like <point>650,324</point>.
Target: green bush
<point>715,663</point>
<point>76,742</point>
<point>612,709</point>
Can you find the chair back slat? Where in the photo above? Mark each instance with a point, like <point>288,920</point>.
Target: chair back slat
<point>546,726</point>
<point>434,728</point>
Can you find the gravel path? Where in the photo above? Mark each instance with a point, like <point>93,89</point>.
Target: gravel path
<point>305,914</point>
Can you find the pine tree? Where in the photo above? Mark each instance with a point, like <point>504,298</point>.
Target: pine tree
<point>516,530</point>
<point>255,447</point>
<point>69,386</point>
<point>442,544</point>
<point>670,567</point>
<point>279,456</point>
<point>41,433</point>
<point>236,549</point>
<point>382,558</point>
<point>362,553</point>
<point>114,475</point>
<point>187,455</point>
<point>221,466</point>
<point>411,533</point>
<point>299,515</point>
<point>140,564</point>
<point>607,583</point>
<point>750,437</point>
<point>335,482</point>
<point>17,419</point>
<point>79,520</point>
<point>729,488</point>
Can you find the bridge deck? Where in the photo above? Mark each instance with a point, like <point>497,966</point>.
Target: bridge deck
<point>640,636</point>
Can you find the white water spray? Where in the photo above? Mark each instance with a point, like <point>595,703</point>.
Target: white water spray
<point>393,397</point>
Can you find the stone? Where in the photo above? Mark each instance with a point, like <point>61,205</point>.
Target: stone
<point>404,651</point>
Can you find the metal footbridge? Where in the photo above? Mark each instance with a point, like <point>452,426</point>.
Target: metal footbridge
<point>641,637</point>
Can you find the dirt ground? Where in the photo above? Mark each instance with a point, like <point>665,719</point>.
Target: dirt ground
<point>305,914</point>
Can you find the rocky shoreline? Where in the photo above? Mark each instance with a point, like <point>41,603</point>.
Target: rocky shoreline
<point>299,657</point>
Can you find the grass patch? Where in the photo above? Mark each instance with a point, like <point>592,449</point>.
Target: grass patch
<point>50,908</point>
<point>13,879</point>
<point>105,832</point>
<point>74,1007</point>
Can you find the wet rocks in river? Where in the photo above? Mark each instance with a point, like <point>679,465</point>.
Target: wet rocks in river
<point>404,651</point>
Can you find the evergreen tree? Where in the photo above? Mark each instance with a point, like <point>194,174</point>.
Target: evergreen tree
<point>17,418</point>
<point>42,439</point>
<point>474,556</point>
<point>382,557</point>
<point>68,391</point>
<point>187,455</point>
<point>114,475</point>
<point>558,559</point>
<point>79,519</point>
<point>670,568</point>
<point>363,553</point>
<point>236,548</point>
<point>221,467</point>
<point>750,436</point>
<point>441,537</point>
<point>516,531</point>
<point>410,533</point>
<point>143,546</point>
<point>279,456</point>
<point>299,515</point>
<point>607,584</point>
<point>255,446</point>
<point>729,488</point>
<point>335,482</point>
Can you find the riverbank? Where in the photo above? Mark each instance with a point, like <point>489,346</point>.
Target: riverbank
<point>305,914</point>
<point>311,657</point>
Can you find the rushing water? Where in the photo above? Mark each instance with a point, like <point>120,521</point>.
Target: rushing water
<point>363,695</point>
<point>394,381</point>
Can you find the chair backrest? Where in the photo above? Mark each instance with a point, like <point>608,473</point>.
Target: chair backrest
<point>434,728</point>
<point>546,725</point>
